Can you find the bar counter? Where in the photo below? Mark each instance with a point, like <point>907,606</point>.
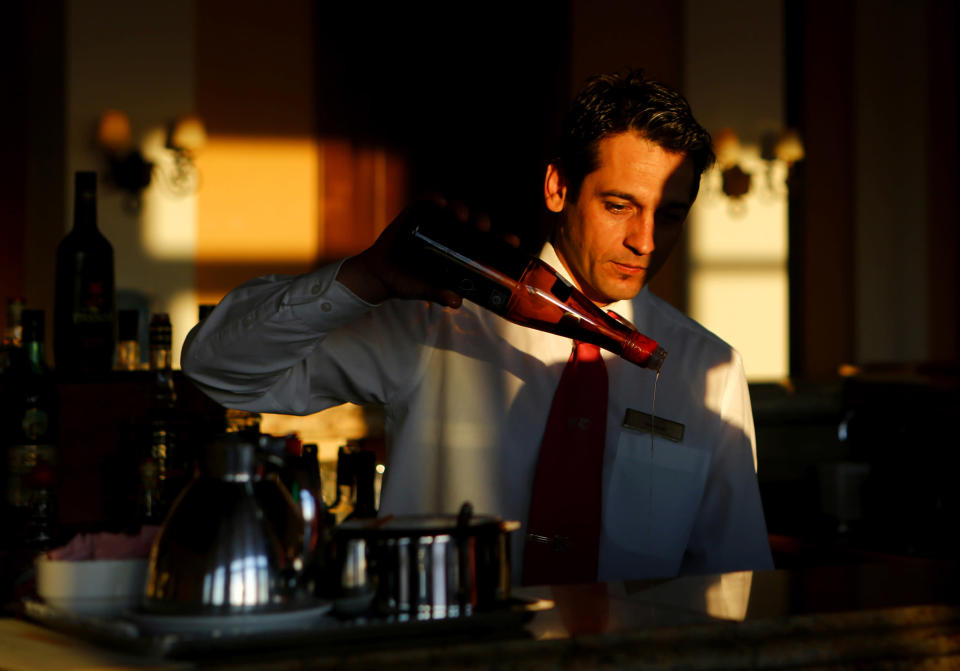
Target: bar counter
<point>893,614</point>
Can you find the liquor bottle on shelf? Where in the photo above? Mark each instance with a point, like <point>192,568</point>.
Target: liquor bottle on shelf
<point>203,310</point>
<point>345,497</point>
<point>128,340</point>
<point>161,361</point>
<point>365,475</point>
<point>84,319</point>
<point>31,453</point>
<point>11,353</point>
<point>518,287</point>
<point>163,468</point>
<point>13,328</point>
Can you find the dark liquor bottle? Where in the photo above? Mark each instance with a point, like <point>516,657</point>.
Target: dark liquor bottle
<point>345,496</point>
<point>163,472</point>
<point>365,472</point>
<point>128,340</point>
<point>85,301</point>
<point>32,452</point>
<point>13,329</point>
<point>518,287</point>
<point>161,361</point>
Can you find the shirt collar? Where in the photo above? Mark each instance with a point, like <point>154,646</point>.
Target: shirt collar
<point>549,255</point>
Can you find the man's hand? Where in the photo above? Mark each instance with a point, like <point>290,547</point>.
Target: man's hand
<point>374,276</point>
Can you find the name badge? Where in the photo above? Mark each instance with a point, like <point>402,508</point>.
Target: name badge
<point>636,420</point>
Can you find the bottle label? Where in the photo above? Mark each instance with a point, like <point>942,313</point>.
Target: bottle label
<point>92,305</point>
<point>91,317</point>
<point>473,286</point>
<point>35,424</point>
<point>29,468</point>
<point>478,266</point>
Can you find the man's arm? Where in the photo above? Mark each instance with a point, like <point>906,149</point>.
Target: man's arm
<point>299,344</point>
<point>255,350</point>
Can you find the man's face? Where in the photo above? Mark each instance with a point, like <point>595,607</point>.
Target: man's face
<point>627,219</point>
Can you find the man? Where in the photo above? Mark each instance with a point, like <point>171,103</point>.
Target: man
<point>467,395</point>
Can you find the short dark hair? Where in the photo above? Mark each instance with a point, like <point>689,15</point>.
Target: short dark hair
<point>610,104</point>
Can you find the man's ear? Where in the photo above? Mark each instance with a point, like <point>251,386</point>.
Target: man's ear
<point>554,189</point>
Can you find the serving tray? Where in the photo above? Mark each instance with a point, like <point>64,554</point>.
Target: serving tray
<point>313,627</point>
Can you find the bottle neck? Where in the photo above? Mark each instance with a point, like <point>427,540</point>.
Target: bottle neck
<point>37,355</point>
<point>85,211</point>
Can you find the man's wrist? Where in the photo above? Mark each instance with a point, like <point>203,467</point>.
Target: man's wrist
<point>355,275</point>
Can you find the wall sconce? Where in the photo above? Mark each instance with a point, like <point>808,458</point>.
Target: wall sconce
<point>784,147</point>
<point>130,171</point>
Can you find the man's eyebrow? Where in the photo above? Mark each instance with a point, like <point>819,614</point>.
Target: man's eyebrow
<point>623,195</point>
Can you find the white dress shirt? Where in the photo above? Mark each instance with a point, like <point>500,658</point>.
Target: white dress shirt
<point>466,396</point>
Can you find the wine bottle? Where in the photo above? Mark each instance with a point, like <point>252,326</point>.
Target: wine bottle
<point>85,301</point>
<point>521,288</point>
<point>32,454</point>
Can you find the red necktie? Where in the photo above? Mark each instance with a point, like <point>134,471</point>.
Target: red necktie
<point>563,529</point>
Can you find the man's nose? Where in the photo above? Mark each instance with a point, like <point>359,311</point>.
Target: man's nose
<point>639,237</point>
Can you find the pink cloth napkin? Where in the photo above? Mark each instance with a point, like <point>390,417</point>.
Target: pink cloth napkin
<point>107,546</point>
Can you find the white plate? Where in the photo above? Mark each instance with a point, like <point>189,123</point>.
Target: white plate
<point>252,623</point>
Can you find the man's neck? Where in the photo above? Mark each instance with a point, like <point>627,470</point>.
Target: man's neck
<point>575,279</point>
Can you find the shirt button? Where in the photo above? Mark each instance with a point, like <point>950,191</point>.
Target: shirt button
<point>316,288</point>
<point>326,307</point>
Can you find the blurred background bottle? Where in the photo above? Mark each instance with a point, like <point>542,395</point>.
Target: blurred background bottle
<point>31,454</point>
<point>161,362</point>
<point>365,475</point>
<point>13,327</point>
<point>164,470</point>
<point>84,310</point>
<point>128,340</point>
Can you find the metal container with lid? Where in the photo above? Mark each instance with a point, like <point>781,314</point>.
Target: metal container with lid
<point>427,566</point>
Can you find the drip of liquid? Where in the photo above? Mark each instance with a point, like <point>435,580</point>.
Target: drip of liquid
<point>653,412</point>
<point>653,420</point>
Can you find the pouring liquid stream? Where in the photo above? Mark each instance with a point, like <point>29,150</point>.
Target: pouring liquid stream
<point>653,420</point>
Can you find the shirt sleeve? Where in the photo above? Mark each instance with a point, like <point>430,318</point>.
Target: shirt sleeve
<point>300,344</point>
<point>730,533</point>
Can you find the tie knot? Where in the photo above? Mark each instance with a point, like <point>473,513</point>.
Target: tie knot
<point>587,351</point>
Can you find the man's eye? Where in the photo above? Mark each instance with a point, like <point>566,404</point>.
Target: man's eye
<point>616,208</point>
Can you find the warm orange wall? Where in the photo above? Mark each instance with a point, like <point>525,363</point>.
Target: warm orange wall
<point>276,196</point>
<point>258,205</point>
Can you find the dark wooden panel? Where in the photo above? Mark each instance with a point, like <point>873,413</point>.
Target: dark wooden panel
<point>101,443</point>
<point>820,104</point>
<point>943,147</point>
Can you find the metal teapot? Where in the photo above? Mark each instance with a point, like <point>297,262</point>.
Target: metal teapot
<point>232,542</point>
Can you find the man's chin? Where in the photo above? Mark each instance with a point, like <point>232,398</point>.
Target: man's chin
<point>621,291</point>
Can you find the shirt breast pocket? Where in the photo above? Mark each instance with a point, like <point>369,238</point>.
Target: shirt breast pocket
<point>653,494</point>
